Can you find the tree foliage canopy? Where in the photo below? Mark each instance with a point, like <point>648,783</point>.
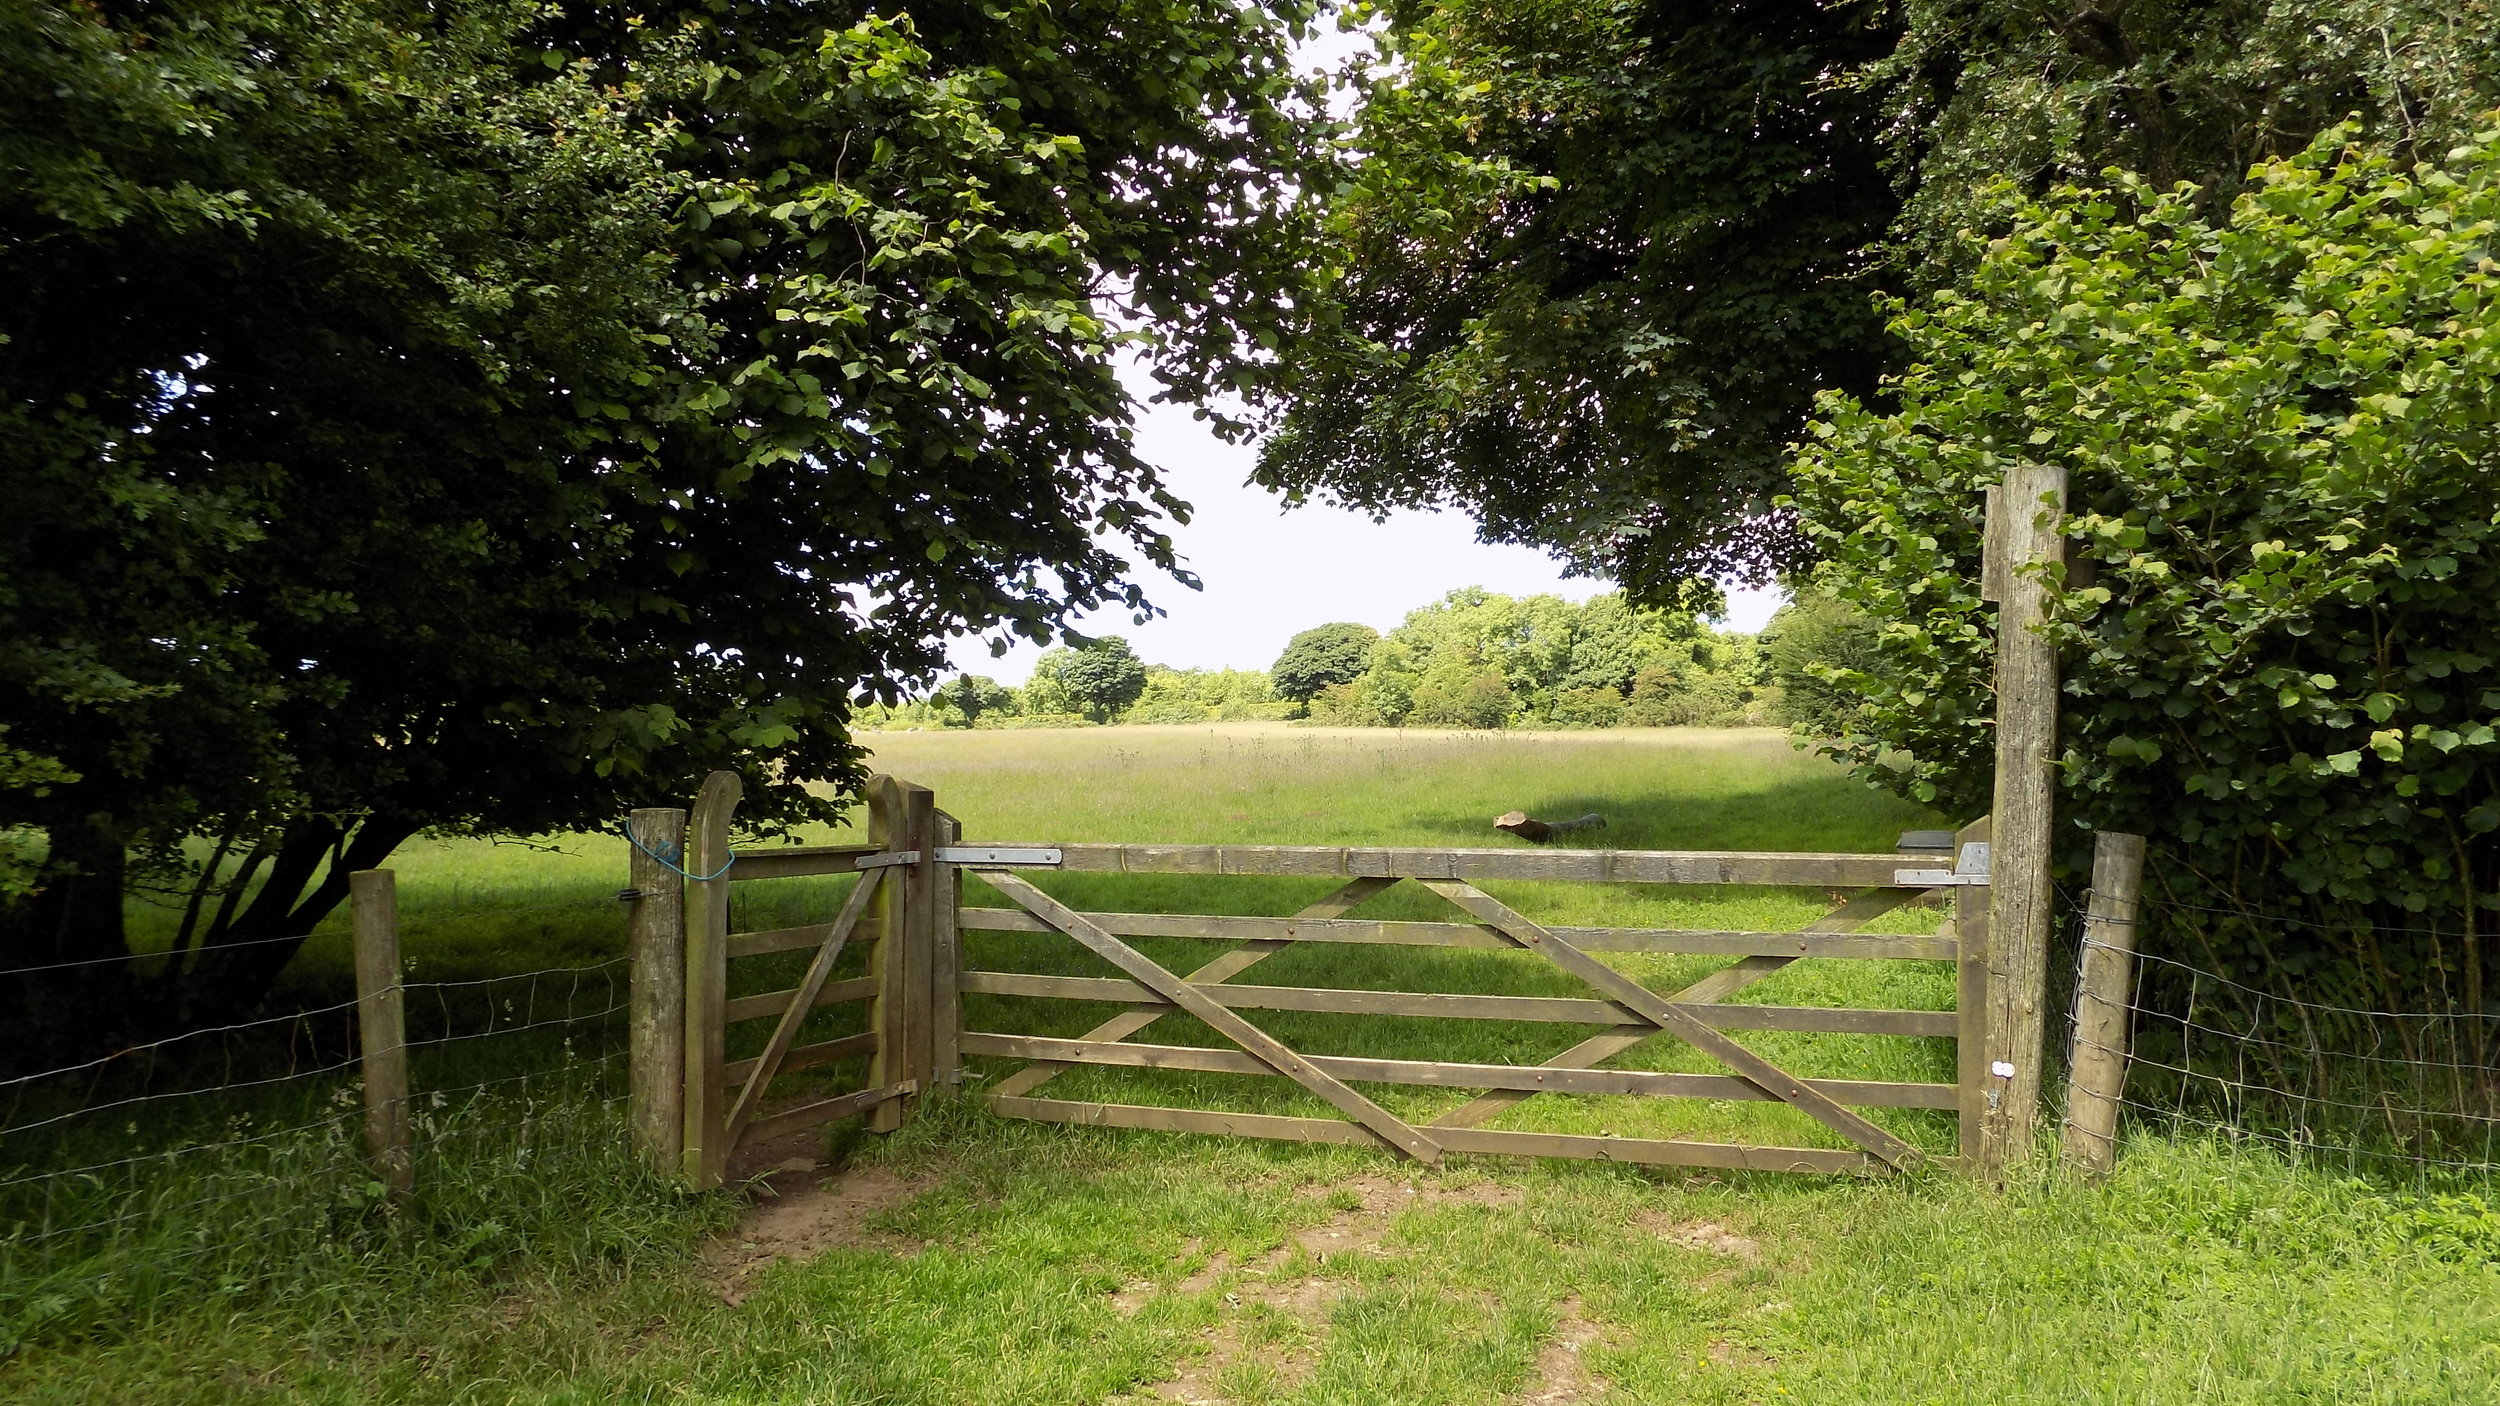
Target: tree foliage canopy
<point>487,415</point>
<point>1480,659</point>
<point>1102,676</point>
<point>2282,426</point>
<point>1599,256</point>
<point>1321,656</point>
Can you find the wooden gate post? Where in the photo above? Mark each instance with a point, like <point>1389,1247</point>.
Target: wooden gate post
<point>382,1026</point>
<point>705,1154</point>
<point>2023,531</point>
<point>2104,999</point>
<point>902,816</point>
<point>656,942</point>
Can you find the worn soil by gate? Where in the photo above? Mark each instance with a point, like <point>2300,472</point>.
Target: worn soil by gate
<point>1560,1375</point>
<point>1305,1298</point>
<point>800,1211</point>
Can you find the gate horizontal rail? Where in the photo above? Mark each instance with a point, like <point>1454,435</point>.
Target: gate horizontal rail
<point>1549,1010</point>
<point>1442,1074</point>
<point>1608,866</point>
<point>1665,1152</point>
<point>1405,933</point>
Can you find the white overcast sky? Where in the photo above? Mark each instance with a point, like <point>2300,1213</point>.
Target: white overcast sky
<point>1270,573</point>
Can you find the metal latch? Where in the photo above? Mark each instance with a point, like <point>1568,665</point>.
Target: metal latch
<point>1970,870</point>
<point>890,857</point>
<point>1010,858</point>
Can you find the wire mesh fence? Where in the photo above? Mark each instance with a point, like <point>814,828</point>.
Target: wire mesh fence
<point>225,1164</point>
<point>2351,1088</point>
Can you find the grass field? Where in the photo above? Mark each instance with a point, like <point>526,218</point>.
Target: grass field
<point>974,1260</point>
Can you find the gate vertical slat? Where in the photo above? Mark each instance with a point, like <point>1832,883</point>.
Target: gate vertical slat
<point>1970,934</point>
<point>946,960</point>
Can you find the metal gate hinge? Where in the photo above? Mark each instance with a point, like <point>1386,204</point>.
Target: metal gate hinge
<point>1020,857</point>
<point>891,857</point>
<point>1970,870</point>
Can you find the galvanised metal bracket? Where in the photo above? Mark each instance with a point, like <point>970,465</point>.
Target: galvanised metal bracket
<point>1017,857</point>
<point>1970,870</point>
<point>889,858</point>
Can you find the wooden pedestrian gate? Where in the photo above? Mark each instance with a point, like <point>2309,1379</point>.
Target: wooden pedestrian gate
<point>908,907</point>
<point>695,1107</point>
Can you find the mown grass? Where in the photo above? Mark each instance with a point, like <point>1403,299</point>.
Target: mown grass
<point>2203,1273</point>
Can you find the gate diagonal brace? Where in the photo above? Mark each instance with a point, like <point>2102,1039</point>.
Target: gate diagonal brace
<point>802,1003</point>
<point>1675,1020</point>
<point>1718,986</point>
<point>1267,1048</point>
<point>1224,968</point>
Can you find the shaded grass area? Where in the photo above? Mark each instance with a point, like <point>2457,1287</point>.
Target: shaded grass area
<point>2204,1273</point>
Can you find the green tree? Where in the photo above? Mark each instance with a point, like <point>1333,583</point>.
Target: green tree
<point>2281,422</point>
<point>1588,707</point>
<point>1103,676</point>
<point>1320,656</point>
<point>972,695</point>
<point>1455,694</point>
<point>1809,650</point>
<point>484,416</point>
<point>1599,256</point>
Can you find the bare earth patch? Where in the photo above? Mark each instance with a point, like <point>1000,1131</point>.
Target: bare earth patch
<point>799,1214</point>
<point>1561,1378</point>
<point>1707,1236</point>
<point>1270,1320</point>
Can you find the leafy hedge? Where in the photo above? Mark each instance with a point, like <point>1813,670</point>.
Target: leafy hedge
<point>2281,423</point>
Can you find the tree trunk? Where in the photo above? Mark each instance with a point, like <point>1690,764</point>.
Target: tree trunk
<point>67,992</point>
<point>307,879</point>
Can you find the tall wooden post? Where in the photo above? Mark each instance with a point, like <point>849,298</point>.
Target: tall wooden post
<point>1970,936</point>
<point>382,1026</point>
<point>902,816</point>
<point>2023,532</point>
<point>2104,1001</point>
<point>946,1019</point>
<point>656,941</point>
<point>705,1155</point>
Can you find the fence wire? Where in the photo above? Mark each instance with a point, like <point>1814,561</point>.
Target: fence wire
<point>220,1164</point>
<point>2349,1088</point>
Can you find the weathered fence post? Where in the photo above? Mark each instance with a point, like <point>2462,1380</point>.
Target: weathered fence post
<point>2023,531</point>
<point>657,944</point>
<point>1970,981</point>
<point>382,1026</point>
<point>946,1018</point>
<point>902,816</point>
<point>705,1155</point>
<point>2104,1001</point>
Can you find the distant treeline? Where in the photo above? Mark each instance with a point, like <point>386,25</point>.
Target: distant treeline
<point>1472,659</point>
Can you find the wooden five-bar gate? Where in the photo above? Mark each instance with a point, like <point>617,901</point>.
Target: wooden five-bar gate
<point>695,1107</point>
